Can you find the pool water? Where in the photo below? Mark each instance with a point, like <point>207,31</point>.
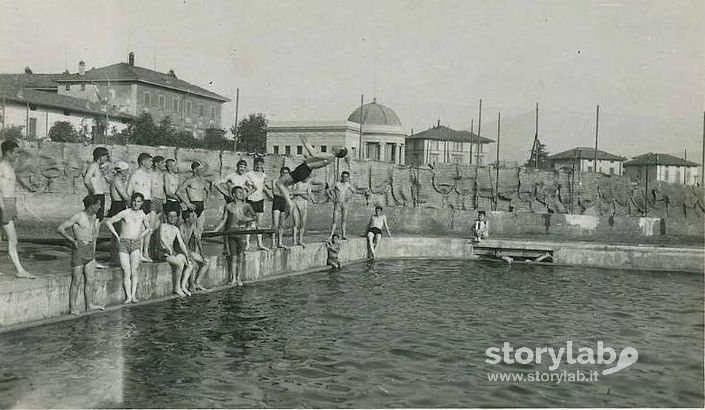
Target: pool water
<point>402,333</point>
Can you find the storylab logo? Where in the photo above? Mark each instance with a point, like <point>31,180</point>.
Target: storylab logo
<point>569,354</point>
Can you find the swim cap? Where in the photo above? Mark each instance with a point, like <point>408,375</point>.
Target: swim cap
<point>196,164</point>
<point>242,162</point>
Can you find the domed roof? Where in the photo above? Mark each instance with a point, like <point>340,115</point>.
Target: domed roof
<point>375,114</point>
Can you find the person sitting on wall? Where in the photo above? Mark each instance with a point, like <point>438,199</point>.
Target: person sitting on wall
<point>481,229</point>
<point>374,231</point>
<point>180,259</point>
<point>191,233</point>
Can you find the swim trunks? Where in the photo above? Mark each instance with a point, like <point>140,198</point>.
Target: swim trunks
<point>9,213</point>
<point>130,245</point>
<point>116,207</point>
<point>101,211</point>
<point>374,230</point>
<point>234,243</point>
<point>301,172</point>
<point>172,206</point>
<point>279,203</point>
<point>157,205</point>
<point>257,206</point>
<point>161,254</point>
<point>83,255</point>
<point>147,206</point>
<point>200,207</point>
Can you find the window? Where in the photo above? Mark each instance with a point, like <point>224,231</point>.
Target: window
<point>457,159</point>
<point>458,146</point>
<point>201,110</point>
<point>287,149</point>
<point>589,169</point>
<point>188,107</point>
<point>175,104</point>
<point>68,87</point>
<point>147,99</point>
<point>324,148</point>
<point>162,102</point>
<point>665,173</point>
<point>611,170</point>
<point>212,113</point>
<point>434,158</point>
<point>299,149</point>
<point>678,175</point>
<point>276,149</point>
<point>83,87</point>
<point>32,127</point>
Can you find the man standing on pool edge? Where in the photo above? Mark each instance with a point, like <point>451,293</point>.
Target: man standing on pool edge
<point>141,182</point>
<point>8,203</point>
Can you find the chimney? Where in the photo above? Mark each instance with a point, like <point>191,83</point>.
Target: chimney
<point>131,58</point>
<point>27,70</point>
<point>172,73</point>
<point>439,123</point>
<point>81,67</point>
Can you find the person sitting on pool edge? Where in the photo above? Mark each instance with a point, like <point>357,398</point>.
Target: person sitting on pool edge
<point>374,231</point>
<point>314,160</point>
<point>481,229</point>
<point>169,233</point>
<point>333,248</point>
<point>191,233</point>
<point>85,226</point>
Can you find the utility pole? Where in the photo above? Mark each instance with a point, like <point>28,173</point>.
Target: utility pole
<point>472,131</point>
<point>479,124</point>
<point>597,128</point>
<point>237,107</point>
<point>496,179</point>
<point>702,163</point>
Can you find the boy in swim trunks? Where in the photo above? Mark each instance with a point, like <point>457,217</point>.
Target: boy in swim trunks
<point>341,195</point>
<point>480,229</point>
<point>95,181</point>
<point>256,180</point>
<point>8,203</point>
<point>171,186</point>
<point>374,231</point>
<point>302,195</point>
<point>135,226</point>
<point>237,178</point>
<point>191,232</point>
<point>279,212</point>
<point>85,226</point>
<point>237,215</point>
<point>168,234</point>
<point>118,200</point>
<point>194,191</point>
<point>141,182</point>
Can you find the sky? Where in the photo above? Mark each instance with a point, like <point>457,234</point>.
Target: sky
<point>643,62</point>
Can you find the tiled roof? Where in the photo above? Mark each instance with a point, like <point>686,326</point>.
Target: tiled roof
<point>585,153</point>
<point>659,159</point>
<point>15,93</point>
<point>36,81</point>
<point>443,133</point>
<point>127,72</point>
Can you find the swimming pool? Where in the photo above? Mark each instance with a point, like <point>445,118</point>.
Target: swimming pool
<point>402,333</point>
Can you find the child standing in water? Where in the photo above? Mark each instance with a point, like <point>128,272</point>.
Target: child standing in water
<point>333,247</point>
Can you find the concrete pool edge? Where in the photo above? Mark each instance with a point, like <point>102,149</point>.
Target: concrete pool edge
<point>25,303</point>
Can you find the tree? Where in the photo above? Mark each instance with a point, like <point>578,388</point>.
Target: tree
<point>11,132</point>
<point>215,139</point>
<point>538,157</point>
<point>64,131</point>
<point>251,134</point>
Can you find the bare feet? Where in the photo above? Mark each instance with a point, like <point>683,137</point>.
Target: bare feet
<point>262,248</point>
<point>127,301</point>
<point>233,283</point>
<point>239,283</point>
<point>135,300</point>
<point>282,246</point>
<point>181,293</point>
<point>146,259</point>
<point>345,238</point>
<point>186,291</point>
<point>96,307</point>
<point>75,312</point>
<point>101,266</point>
<point>25,275</point>
<point>303,245</point>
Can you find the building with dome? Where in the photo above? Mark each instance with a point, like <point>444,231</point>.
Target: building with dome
<point>382,138</point>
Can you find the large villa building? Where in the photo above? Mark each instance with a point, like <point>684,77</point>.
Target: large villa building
<point>440,144</point>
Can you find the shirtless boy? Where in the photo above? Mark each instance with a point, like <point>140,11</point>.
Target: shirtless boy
<point>302,195</point>
<point>194,191</point>
<point>95,181</point>
<point>171,186</point>
<point>8,203</point>
<point>141,182</point>
<point>85,225</point>
<point>374,231</point>
<point>256,185</point>
<point>341,195</point>
<point>168,233</point>
<point>158,192</point>
<point>118,199</point>
<point>191,232</point>
<point>134,228</point>
<point>237,178</point>
<point>238,214</point>
<point>279,211</point>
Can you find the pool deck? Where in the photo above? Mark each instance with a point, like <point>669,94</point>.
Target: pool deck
<point>25,303</point>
